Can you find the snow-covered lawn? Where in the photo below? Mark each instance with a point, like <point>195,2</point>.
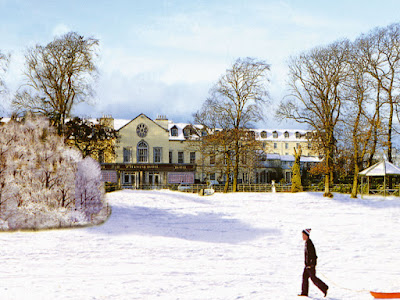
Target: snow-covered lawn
<point>172,245</point>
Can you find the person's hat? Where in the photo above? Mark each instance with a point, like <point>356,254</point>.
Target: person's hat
<point>307,231</point>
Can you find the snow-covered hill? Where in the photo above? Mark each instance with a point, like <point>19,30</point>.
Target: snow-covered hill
<point>171,245</point>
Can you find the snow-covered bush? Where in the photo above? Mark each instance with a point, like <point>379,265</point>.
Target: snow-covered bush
<point>40,179</point>
<point>89,190</point>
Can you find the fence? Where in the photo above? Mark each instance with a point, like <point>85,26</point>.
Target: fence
<point>256,188</point>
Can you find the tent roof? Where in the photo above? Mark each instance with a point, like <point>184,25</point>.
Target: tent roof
<point>381,169</point>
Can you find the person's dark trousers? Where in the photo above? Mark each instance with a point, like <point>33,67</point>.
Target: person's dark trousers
<point>309,272</point>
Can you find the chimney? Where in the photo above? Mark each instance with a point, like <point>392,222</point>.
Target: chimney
<point>107,120</point>
<point>162,121</point>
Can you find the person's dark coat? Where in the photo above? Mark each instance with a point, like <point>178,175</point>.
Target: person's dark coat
<point>309,254</point>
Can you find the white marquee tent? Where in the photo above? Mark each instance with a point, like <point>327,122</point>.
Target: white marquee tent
<point>381,169</point>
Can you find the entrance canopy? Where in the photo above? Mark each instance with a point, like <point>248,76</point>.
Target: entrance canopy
<point>382,168</point>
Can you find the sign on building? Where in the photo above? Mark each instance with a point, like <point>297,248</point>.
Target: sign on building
<point>109,176</point>
<point>184,177</point>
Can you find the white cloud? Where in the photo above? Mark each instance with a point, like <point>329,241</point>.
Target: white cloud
<point>60,29</point>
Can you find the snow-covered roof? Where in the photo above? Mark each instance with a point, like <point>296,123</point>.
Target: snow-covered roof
<point>279,135</point>
<point>290,158</point>
<point>180,127</point>
<point>381,169</point>
<point>119,123</point>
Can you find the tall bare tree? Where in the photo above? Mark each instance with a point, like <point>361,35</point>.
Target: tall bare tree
<point>360,116</point>
<point>380,52</point>
<point>58,76</point>
<point>237,99</point>
<point>315,80</point>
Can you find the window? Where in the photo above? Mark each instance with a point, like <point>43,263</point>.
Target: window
<point>212,176</point>
<point>127,178</point>
<point>141,130</point>
<point>127,154</point>
<point>286,134</point>
<point>186,132</point>
<point>170,157</point>
<point>192,157</point>
<point>157,154</point>
<point>297,145</point>
<point>298,135</point>
<point>180,157</point>
<point>264,134</point>
<point>275,134</point>
<point>275,146</point>
<point>142,152</point>
<point>212,159</point>
<point>174,131</point>
<point>286,145</point>
<point>204,132</point>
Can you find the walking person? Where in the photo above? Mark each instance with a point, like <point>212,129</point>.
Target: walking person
<point>310,260</point>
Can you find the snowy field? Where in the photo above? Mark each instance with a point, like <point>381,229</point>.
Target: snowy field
<point>171,245</point>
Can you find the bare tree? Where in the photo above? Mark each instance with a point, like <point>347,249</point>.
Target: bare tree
<point>214,142</point>
<point>59,76</point>
<point>380,53</point>
<point>360,116</point>
<point>315,81</point>
<point>237,100</point>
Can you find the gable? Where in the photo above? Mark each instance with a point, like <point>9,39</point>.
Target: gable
<point>142,118</point>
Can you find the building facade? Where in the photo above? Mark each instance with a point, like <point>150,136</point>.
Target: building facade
<point>159,152</point>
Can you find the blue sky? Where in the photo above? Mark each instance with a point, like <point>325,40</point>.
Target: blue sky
<point>162,57</point>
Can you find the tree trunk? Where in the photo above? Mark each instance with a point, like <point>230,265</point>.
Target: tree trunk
<point>355,181</point>
<point>236,168</point>
<point>328,168</point>
<point>327,192</point>
<point>227,171</point>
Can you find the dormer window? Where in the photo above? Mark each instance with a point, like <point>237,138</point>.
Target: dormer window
<point>174,131</point>
<point>251,135</point>
<point>286,134</point>
<point>263,134</point>
<point>275,134</point>
<point>298,135</point>
<point>186,132</point>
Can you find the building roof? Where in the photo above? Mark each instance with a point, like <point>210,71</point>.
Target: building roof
<point>290,158</point>
<point>292,135</point>
<point>382,168</point>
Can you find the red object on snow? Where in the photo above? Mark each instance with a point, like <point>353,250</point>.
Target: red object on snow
<point>378,295</point>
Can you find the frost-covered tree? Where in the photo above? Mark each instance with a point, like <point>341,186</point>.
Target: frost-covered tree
<point>38,178</point>
<point>4,59</point>
<point>89,191</point>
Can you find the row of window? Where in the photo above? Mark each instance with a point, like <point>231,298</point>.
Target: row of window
<point>143,154</point>
<point>309,145</point>
<point>187,131</point>
<point>264,134</point>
